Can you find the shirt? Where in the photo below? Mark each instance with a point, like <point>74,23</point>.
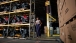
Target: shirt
<point>37,21</point>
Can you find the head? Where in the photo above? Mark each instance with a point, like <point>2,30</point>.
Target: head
<point>37,18</point>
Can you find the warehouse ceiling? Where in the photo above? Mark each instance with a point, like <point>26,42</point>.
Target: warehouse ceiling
<point>41,9</point>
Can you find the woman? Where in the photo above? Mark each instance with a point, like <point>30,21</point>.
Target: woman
<point>38,25</point>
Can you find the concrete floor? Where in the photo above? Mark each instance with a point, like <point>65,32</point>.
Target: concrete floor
<point>5,40</point>
<point>43,39</point>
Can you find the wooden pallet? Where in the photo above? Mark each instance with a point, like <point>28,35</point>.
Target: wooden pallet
<point>17,36</point>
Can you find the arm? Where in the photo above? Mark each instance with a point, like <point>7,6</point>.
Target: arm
<point>35,23</point>
<point>40,23</point>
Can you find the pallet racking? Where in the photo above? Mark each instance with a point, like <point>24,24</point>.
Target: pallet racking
<point>30,12</point>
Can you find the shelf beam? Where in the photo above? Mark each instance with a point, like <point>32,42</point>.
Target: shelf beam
<point>53,19</point>
<point>18,11</point>
<point>5,2</point>
<point>16,24</point>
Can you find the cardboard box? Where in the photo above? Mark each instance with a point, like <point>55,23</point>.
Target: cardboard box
<point>69,15</point>
<point>62,34</point>
<point>70,3</point>
<point>67,9</point>
<point>72,30</point>
<point>60,4</point>
<point>67,34</point>
<point>67,40</point>
<point>70,10</point>
<point>60,21</point>
<point>61,13</point>
<point>62,17</point>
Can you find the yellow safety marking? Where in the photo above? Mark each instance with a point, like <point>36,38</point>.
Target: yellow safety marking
<point>47,3</point>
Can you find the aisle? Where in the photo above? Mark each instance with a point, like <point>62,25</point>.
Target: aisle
<point>24,41</point>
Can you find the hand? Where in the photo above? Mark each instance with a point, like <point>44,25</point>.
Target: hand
<point>40,24</point>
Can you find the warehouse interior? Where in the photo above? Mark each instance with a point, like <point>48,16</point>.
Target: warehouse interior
<point>11,14</point>
<point>56,22</point>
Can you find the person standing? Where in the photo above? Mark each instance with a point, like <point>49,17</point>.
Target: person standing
<point>38,25</point>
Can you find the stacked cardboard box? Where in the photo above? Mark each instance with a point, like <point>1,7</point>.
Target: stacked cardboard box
<point>67,35</point>
<point>66,11</point>
<point>69,31</point>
